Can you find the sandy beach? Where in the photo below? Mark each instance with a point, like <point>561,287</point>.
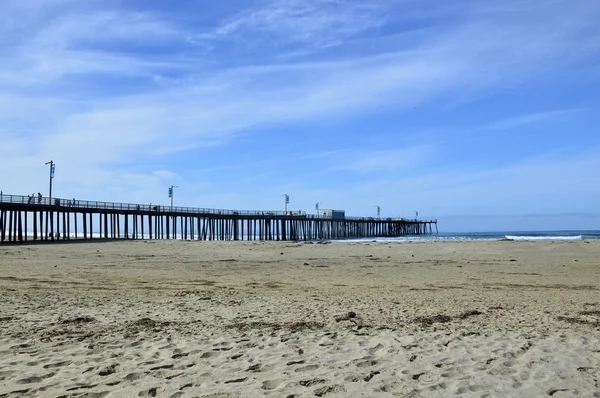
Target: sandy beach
<point>288,319</point>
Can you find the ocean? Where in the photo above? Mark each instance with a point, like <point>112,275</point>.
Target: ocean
<point>490,236</point>
<point>450,236</point>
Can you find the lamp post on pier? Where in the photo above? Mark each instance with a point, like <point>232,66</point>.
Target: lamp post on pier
<point>287,201</point>
<point>171,189</point>
<point>52,165</point>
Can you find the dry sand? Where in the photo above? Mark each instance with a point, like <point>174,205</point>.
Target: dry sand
<point>343,319</point>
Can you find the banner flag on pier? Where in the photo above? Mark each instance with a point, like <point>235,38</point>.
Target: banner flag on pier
<point>171,192</point>
<point>52,170</point>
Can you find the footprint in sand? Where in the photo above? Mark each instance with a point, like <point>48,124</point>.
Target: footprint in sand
<point>424,377</point>
<point>354,378</point>
<point>240,380</point>
<point>210,354</point>
<point>25,391</point>
<point>135,344</point>
<point>254,368</point>
<point>153,392</point>
<point>82,387</point>
<point>312,382</point>
<point>134,376</point>
<point>108,370</point>
<point>375,349</point>
<point>180,355</point>
<point>451,373</point>
<point>272,384</point>
<point>405,340</point>
<point>319,392</point>
<point>35,379</point>
<point>510,364</point>
<point>4,374</point>
<point>170,366</point>
<point>364,364</point>
<point>473,388</point>
<point>57,364</point>
<point>307,368</point>
<point>95,394</point>
<point>399,389</point>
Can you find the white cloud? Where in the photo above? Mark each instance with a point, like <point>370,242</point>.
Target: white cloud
<point>533,118</point>
<point>63,40</point>
<point>316,23</point>
<point>384,160</point>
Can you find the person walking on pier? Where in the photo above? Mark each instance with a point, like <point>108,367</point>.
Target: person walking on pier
<point>39,197</point>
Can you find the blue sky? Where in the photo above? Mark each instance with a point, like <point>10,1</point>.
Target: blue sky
<point>482,114</point>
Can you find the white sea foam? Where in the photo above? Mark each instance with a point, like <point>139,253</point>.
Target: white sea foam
<point>520,238</point>
<point>422,238</point>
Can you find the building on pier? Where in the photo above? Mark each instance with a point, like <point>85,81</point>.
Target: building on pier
<point>333,214</point>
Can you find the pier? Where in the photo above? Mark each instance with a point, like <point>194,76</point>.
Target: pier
<point>29,218</point>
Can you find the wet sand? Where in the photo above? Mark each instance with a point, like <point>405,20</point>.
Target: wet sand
<point>286,319</point>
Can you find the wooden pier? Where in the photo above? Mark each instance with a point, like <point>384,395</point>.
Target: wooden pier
<point>24,219</point>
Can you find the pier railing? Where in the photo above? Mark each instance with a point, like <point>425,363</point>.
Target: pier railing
<point>36,200</point>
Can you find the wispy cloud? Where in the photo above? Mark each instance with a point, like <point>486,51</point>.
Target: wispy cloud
<point>315,23</point>
<point>65,40</point>
<point>384,160</point>
<point>532,118</point>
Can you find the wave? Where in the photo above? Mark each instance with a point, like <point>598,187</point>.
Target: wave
<point>521,238</point>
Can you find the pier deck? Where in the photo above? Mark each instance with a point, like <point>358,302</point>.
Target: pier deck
<point>24,218</point>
